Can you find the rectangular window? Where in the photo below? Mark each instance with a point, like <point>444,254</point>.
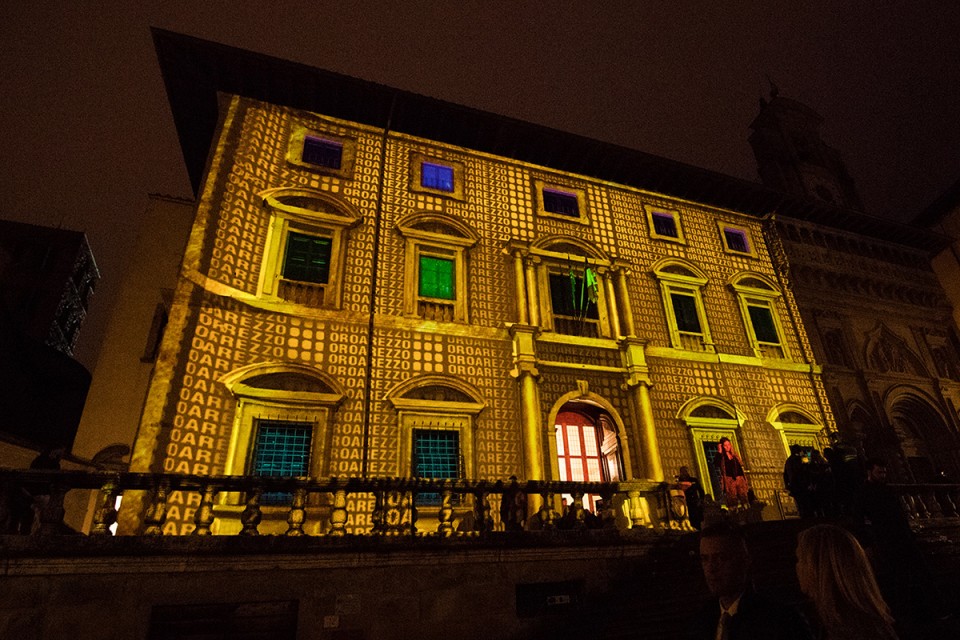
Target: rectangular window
<point>281,449</point>
<point>436,176</point>
<point>437,278</point>
<point>323,153</point>
<point>561,203</point>
<point>567,297</point>
<point>685,312</point>
<point>763,325</point>
<point>307,258</point>
<point>436,455</point>
<point>664,225</point>
<point>736,240</point>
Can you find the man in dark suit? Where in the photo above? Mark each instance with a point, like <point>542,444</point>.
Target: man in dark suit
<point>738,612</point>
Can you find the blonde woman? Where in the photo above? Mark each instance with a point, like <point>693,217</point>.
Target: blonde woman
<point>835,574</point>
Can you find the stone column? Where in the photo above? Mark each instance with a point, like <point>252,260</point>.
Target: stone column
<point>521,288</point>
<point>638,383</point>
<point>532,291</point>
<point>609,290</point>
<point>625,302</point>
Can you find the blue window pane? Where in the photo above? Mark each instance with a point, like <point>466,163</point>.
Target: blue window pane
<point>282,449</point>
<point>436,176</point>
<point>436,455</point>
<point>323,153</point>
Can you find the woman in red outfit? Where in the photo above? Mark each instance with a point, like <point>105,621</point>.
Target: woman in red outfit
<point>732,478</point>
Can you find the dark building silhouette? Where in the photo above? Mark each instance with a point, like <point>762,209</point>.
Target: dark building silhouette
<point>47,277</point>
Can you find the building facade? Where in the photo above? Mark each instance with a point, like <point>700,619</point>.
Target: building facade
<point>368,301</point>
<point>879,318</point>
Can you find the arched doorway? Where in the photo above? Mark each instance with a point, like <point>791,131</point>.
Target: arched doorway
<point>927,444</point>
<point>588,448</point>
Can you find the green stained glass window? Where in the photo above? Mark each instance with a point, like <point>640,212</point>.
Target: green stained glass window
<point>437,278</point>
<point>763,326</point>
<point>436,455</point>
<point>307,258</point>
<point>685,312</point>
<point>282,449</point>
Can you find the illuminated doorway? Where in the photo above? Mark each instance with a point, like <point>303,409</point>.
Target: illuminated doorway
<point>587,449</point>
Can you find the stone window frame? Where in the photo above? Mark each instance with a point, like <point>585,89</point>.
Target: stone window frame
<point>691,283</point>
<point>550,261</point>
<point>763,294</point>
<point>651,211</point>
<point>580,194</point>
<point>317,408</point>
<point>285,218</point>
<point>299,132</point>
<point>744,231</point>
<point>710,429</point>
<point>456,244</point>
<point>419,414</point>
<point>417,160</point>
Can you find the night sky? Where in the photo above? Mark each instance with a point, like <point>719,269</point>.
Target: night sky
<point>86,132</point>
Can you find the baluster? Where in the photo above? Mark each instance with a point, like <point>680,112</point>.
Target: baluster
<point>638,511</point>
<point>379,515</point>
<point>548,517</point>
<point>576,505</point>
<point>204,516</point>
<point>105,513</point>
<point>932,505</point>
<point>909,503</point>
<point>483,520</point>
<point>297,514</point>
<point>948,505</point>
<point>157,513</point>
<point>51,511</point>
<point>445,529</point>
<point>338,517</point>
<point>251,516</point>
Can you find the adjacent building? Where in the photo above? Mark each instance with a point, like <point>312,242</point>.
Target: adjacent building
<point>47,277</point>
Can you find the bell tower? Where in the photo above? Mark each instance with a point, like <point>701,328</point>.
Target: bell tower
<point>792,157</point>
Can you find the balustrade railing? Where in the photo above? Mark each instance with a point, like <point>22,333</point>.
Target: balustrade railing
<point>465,507</point>
<point>924,502</point>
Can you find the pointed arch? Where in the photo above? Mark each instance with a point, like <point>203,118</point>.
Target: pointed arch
<point>885,351</point>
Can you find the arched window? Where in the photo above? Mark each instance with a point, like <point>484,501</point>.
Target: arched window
<point>283,417</point>
<point>587,446</point>
<point>681,285</point>
<point>435,267</point>
<point>572,298</point>
<point>709,420</point>
<point>305,253</point>
<point>436,415</point>
<point>758,297</point>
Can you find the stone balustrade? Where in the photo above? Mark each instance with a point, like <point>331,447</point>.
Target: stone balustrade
<point>395,511</point>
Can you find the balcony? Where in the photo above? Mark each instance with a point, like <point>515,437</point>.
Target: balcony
<point>407,575</point>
